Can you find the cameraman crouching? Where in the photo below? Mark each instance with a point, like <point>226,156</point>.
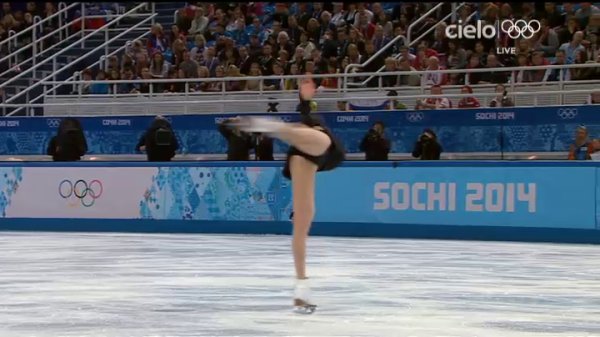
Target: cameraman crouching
<point>375,146</point>
<point>427,147</point>
<point>159,141</point>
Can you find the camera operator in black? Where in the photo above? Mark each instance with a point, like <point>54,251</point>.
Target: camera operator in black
<point>263,147</point>
<point>427,147</point>
<point>239,143</point>
<point>69,144</point>
<point>159,141</point>
<point>375,146</point>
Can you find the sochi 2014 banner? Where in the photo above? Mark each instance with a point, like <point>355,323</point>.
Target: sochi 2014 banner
<point>175,193</point>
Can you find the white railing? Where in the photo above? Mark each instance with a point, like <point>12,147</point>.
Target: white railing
<point>340,76</point>
<point>36,44</point>
<point>37,27</point>
<point>524,94</point>
<point>53,59</point>
<point>100,63</point>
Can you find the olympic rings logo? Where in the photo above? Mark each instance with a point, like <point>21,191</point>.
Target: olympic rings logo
<point>415,116</point>
<point>53,122</point>
<point>567,113</point>
<point>86,192</point>
<point>520,28</point>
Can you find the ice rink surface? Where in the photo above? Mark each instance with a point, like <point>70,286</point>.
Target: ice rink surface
<point>60,284</point>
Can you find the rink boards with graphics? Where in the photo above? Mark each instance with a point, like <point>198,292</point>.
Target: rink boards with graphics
<point>521,201</point>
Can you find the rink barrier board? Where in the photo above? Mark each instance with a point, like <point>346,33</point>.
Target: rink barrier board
<point>490,200</point>
<point>332,229</point>
<point>509,130</point>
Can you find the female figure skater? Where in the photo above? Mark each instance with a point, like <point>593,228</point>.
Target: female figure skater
<point>313,148</point>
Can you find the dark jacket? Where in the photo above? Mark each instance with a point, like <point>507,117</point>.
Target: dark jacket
<point>375,146</point>
<point>69,144</point>
<point>159,140</point>
<point>427,148</point>
<point>263,147</point>
<point>238,145</point>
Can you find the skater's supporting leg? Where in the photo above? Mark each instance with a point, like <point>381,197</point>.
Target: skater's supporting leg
<point>303,191</point>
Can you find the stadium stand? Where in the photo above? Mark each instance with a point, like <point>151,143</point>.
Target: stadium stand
<point>200,57</point>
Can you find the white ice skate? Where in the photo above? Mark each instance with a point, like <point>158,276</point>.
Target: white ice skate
<point>258,124</point>
<point>302,303</point>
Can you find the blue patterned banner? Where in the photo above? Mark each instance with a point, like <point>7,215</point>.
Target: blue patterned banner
<point>477,130</point>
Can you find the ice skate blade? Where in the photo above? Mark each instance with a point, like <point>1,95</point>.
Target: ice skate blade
<point>301,307</point>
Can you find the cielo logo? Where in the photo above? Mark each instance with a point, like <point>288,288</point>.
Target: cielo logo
<point>515,29</point>
<point>80,191</point>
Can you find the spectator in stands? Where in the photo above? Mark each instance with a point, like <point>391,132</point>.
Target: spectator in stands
<point>233,71</point>
<point>217,86</point>
<point>474,77</point>
<point>6,10</point>
<point>537,59</point>
<point>229,56</point>
<point>238,34</point>
<point>254,85</point>
<point>580,74</point>
<point>405,53</point>
<point>556,74</point>
<point>157,39</point>
<point>365,26</point>
<point>306,44</point>
<point>584,13</point>
<point>199,23</point>
<point>581,148</point>
<point>188,68</point>
<point>390,80</point>
<point>501,99</point>
<point>238,143</point>
<point>313,30</point>
<point>173,86</point>
<point>145,86</point>
<point>469,101</point>
<point>493,76</point>
<point>546,39</point>
<point>437,101</point>
<point>276,83</point>
<point>338,13</point>
<point>433,75</point>
<point>283,43</point>
<point>351,14</point>
<point>100,88</point>
<point>127,61</point>
<point>355,37</point>
<point>128,88</point>
<point>114,76</point>
<point>159,67</point>
<point>593,98</point>
<point>267,60</point>
<point>293,30</point>
<point>455,59</point>
<point>113,64</point>
<point>522,61</point>
<point>427,146</point>
<point>292,83</point>
<point>244,61</point>
<point>210,60</point>
<point>175,34</point>
<point>197,52</point>
<point>592,46</point>
<point>86,76</point>
<point>571,48</point>
<point>555,19</point>
<point>374,144</point>
<point>380,40</point>
<point>409,79</point>
<point>69,144</point>
<point>202,73</point>
<point>159,141</point>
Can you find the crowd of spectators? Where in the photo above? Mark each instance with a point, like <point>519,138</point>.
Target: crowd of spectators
<point>233,39</point>
<point>211,40</point>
